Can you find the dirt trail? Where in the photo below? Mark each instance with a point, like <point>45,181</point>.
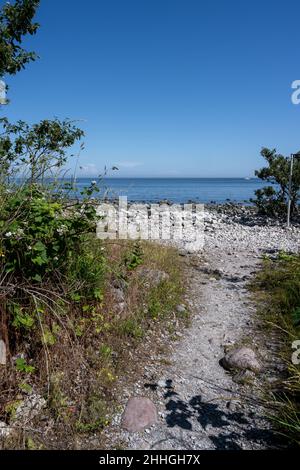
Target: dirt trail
<point>199,404</point>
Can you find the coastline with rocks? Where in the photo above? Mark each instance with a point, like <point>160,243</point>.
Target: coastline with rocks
<point>223,225</point>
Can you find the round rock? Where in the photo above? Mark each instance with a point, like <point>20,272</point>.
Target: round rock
<point>140,413</point>
<point>180,308</point>
<point>241,358</point>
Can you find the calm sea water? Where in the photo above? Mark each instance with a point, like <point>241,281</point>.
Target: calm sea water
<point>179,190</point>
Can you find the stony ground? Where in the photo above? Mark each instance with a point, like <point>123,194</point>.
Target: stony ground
<point>200,405</point>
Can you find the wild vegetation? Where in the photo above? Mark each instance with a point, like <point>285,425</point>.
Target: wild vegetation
<point>279,286</point>
<point>75,309</point>
<point>68,301</point>
<point>272,200</point>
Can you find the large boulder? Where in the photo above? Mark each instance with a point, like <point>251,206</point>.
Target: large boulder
<point>140,413</point>
<point>241,358</point>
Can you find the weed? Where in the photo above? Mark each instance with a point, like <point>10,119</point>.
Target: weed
<point>279,286</point>
<point>131,327</point>
<point>22,366</point>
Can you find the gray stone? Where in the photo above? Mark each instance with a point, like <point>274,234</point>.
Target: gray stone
<point>2,353</point>
<point>140,413</point>
<point>30,407</point>
<point>241,358</point>
<point>5,430</point>
<point>180,309</point>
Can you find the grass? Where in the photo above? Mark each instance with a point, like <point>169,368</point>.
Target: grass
<point>278,285</point>
<point>88,344</point>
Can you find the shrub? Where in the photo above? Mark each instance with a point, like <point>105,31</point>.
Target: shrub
<point>272,200</point>
<point>46,254</point>
<point>39,235</point>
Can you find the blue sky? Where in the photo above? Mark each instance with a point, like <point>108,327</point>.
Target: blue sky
<point>167,87</point>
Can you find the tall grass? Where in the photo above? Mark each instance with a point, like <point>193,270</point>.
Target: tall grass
<point>279,285</point>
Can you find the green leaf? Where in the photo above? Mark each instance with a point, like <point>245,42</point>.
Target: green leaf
<point>39,246</point>
<point>48,338</point>
<point>22,366</point>
<point>76,297</point>
<point>39,260</point>
<point>98,294</point>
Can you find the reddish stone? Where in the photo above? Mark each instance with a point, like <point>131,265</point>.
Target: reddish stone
<point>140,413</point>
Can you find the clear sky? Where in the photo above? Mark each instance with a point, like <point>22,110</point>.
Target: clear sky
<point>167,87</point>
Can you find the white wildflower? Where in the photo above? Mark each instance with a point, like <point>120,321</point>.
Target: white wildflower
<point>19,232</point>
<point>8,234</point>
<point>62,229</point>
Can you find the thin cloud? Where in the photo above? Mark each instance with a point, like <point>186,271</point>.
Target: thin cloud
<point>128,164</point>
<point>89,169</point>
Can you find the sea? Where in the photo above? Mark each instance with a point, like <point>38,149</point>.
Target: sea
<point>178,190</point>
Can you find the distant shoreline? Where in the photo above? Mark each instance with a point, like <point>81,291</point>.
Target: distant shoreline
<point>250,178</point>
<point>178,190</point>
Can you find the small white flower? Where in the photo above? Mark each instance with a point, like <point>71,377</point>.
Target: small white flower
<point>8,234</point>
<point>93,182</point>
<point>19,232</point>
<point>62,229</point>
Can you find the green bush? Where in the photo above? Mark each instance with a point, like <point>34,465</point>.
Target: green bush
<point>39,236</point>
<point>48,252</point>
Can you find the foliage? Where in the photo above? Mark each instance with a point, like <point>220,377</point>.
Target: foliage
<point>39,236</point>
<point>272,200</point>
<point>279,281</point>
<point>282,280</point>
<point>15,23</point>
<point>56,277</point>
<point>47,256</point>
<point>131,327</point>
<point>135,257</point>
<point>22,366</point>
<point>36,151</point>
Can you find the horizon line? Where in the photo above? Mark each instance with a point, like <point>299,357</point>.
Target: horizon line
<point>166,177</point>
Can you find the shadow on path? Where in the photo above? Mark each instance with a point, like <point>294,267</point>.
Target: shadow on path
<point>225,428</point>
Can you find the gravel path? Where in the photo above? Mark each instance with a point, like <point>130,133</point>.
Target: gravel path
<point>200,406</point>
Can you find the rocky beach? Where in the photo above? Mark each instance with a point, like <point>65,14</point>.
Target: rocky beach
<point>190,396</point>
